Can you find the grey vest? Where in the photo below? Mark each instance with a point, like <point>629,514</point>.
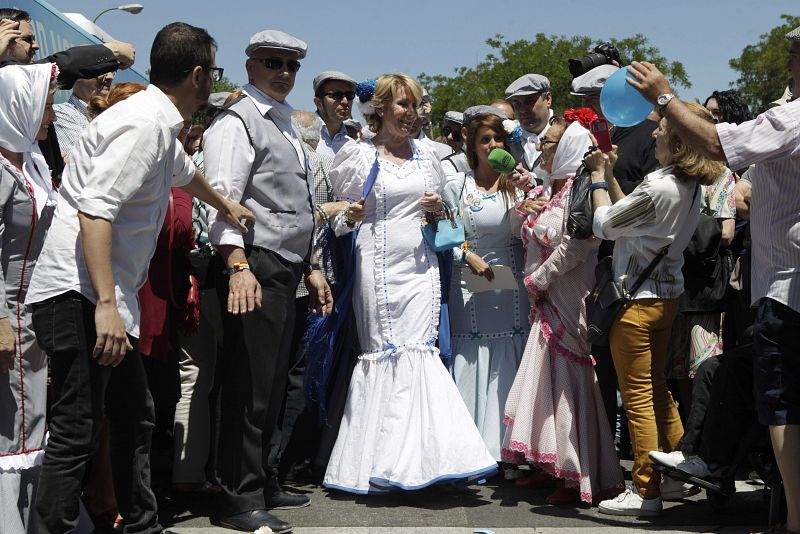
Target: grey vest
<point>278,189</point>
<point>519,154</point>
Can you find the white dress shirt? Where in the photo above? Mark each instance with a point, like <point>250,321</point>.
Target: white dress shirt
<point>229,157</point>
<point>530,143</point>
<point>772,142</point>
<point>120,170</point>
<point>328,146</point>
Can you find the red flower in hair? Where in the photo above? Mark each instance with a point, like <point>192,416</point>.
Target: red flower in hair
<point>584,116</point>
<point>53,73</point>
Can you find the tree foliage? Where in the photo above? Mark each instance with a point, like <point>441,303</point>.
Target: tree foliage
<point>224,85</point>
<point>762,66</point>
<point>547,55</point>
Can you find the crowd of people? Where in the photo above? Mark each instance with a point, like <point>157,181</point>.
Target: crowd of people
<point>270,294</point>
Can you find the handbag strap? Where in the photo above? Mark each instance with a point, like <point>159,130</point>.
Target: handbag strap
<point>663,252</point>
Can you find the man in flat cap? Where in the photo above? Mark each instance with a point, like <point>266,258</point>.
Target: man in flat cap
<point>334,93</point>
<point>451,131</point>
<point>770,143</point>
<point>252,153</point>
<point>531,99</point>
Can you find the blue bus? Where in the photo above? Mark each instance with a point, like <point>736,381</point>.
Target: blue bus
<point>55,32</point>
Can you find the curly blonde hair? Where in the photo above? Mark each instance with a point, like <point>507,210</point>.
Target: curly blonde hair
<point>385,90</point>
<point>689,164</point>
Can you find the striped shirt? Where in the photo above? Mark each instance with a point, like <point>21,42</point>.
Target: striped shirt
<point>662,211</point>
<point>319,165</point>
<point>772,142</point>
<point>72,118</point>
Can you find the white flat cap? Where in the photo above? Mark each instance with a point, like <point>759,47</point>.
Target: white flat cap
<point>591,82</point>
<point>278,40</point>
<point>527,85</point>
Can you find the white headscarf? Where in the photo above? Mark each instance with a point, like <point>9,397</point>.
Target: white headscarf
<point>25,89</point>
<point>574,143</point>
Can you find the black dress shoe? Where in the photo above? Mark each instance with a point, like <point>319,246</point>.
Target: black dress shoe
<point>280,500</point>
<point>253,520</point>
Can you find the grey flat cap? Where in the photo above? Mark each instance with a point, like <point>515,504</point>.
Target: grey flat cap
<point>474,111</point>
<point>794,35</point>
<point>454,116</point>
<point>590,83</point>
<point>277,40</point>
<point>329,75</point>
<point>528,85</point>
<point>217,100</point>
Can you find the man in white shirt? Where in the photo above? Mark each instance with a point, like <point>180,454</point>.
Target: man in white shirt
<point>334,93</point>
<point>772,142</point>
<point>83,292</point>
<point>252,153</point>
<point>531,99</point>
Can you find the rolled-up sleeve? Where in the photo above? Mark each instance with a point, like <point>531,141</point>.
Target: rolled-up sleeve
<point>626,217</point>
<point>229,159</point>
<point>119,167</point>
<point>772,135</point>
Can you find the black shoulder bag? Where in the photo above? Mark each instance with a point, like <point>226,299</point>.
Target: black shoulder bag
<point>606,300</point>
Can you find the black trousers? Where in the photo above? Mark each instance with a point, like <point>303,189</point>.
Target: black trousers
<point>701,397</point>
<point>82,391</point>
<point>253,375</point>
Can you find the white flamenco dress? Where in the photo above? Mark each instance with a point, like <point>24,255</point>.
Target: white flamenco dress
<point>405,426</point>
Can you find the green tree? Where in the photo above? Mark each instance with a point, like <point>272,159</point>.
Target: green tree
<point>762,66</point>
<point>224,85</point>
<point>547,55</point>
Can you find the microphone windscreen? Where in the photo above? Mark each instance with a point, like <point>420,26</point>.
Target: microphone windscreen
<point>502,161</point>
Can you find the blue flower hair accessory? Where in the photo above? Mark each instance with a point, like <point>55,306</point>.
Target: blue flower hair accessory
<point>515,136</point>
<point>365,90</point>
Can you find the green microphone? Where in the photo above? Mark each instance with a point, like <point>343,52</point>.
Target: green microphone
<point>501,161</point>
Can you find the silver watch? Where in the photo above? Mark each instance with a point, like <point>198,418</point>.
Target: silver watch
<point>663,100</point>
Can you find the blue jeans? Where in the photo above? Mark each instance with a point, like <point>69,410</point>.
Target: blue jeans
<point>83,391</point>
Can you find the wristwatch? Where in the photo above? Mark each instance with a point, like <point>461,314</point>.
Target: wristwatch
<point>309,267</point>
<point>663,100</point>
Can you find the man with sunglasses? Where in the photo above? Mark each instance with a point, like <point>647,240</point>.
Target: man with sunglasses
<point>451,131</point>
<point>334,93</point>
<point>253,154</point>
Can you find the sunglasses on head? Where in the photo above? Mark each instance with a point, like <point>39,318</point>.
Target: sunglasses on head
<point>338,95</point>
<point>276,63</point>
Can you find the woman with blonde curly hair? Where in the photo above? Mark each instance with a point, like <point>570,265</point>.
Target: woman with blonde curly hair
<point>657,219</point>
<point>404,426</point>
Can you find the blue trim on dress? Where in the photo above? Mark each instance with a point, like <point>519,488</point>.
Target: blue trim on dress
<point>382,486</point>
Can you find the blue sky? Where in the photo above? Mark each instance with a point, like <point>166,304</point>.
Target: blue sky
<point>366,38</point>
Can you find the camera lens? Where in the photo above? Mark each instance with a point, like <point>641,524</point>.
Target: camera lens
<point>586,63</point>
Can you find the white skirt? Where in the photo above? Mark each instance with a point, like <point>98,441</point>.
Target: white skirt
<point>405,427</point>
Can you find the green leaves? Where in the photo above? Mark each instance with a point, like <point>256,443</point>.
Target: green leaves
<point>545,54</point>
<point>762,67</point>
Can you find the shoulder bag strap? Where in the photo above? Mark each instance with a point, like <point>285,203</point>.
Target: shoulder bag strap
<point>663,252</point>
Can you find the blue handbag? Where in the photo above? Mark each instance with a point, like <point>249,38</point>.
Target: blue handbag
<point>443,234</point>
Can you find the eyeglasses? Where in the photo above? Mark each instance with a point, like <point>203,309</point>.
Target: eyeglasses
<point>276,63</point>
<point>447,130</point>
<point>216,72</point>
<point>338,95</point>
<point>543,142</point>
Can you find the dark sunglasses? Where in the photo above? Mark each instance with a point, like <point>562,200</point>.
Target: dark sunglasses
<point>338,95</point>
<point>447,130</point>
<point>276,63</point>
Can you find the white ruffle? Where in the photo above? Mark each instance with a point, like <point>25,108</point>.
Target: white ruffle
<point>13,463</point>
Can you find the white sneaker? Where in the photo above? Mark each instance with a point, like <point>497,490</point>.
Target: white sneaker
<point>673,490</point>
<point>667,459</point>
<point>630,503</point>
<point>694,466</point>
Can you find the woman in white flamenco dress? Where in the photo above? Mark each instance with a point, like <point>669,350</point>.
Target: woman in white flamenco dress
<point>405,425</point>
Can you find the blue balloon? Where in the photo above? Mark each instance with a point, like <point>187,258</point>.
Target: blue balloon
<point>621,103</point>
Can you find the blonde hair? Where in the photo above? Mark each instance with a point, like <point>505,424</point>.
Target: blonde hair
<point>689,164</point>
<point>385,90</point>
<point>118,93</point>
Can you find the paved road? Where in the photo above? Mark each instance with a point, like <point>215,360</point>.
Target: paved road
<point>498,506</point>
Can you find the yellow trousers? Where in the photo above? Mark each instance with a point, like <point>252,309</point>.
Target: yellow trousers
<point>639,339</point>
